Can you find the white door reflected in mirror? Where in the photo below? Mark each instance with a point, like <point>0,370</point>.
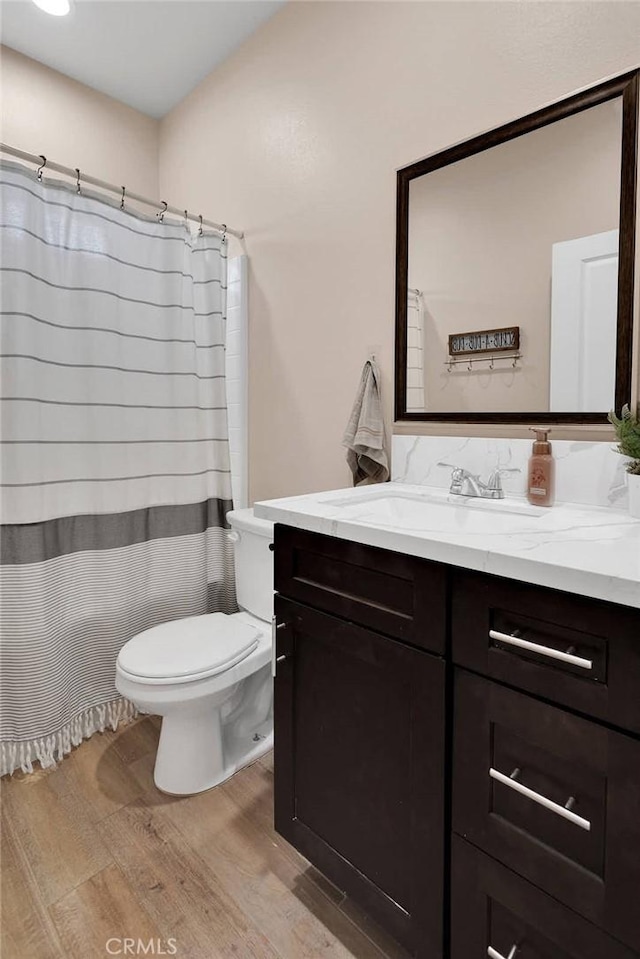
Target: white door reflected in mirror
<point>584,317</point>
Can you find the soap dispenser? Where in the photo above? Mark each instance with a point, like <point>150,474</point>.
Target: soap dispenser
<point>541,474</point>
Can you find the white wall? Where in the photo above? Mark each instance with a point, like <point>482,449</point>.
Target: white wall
<point>297,137</point>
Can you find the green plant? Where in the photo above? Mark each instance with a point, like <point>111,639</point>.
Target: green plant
<point>627,427</point>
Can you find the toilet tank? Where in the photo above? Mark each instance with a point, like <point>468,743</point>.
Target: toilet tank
<point>253,562</point>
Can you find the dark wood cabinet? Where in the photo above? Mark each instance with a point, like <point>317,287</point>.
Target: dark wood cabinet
<point>600,675</point>
<point>520,767</point>
<point>397,595</point>
<point>359,760</point>
<point>433,726</point>
<point>494,909</point>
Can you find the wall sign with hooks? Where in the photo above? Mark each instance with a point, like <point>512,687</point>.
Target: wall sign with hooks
<point>485,347</point>
<point>506,338</point>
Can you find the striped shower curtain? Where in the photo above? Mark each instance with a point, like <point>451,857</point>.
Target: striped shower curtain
<point>115,474</point>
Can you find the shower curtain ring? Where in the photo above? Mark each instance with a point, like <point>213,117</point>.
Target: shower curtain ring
<point>224,232</point>
<point>200,230</point>
<point>41,167</point>
<point>160,215</point>
<point>186,218</point>
<point>78,190</point>
<point>122,200</point>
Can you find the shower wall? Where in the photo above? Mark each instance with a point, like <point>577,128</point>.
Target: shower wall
<point>237,371</point>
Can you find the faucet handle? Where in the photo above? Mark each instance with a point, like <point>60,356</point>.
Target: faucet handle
<point>494,481</point>
<point>453,467</point>
<point>457,477</point>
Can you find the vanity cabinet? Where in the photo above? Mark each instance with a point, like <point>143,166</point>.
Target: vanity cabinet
<point>577,652</point>
<point>494,912</point>
<point>460,753</point>
<point>360,727</point>
<point>552,795</point>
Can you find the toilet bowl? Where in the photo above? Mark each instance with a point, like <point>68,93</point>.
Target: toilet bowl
<point>209,677</point>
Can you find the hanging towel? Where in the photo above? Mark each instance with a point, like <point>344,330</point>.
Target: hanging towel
<point>364,436</point>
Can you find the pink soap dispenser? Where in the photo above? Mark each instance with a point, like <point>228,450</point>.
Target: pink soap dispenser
<point>542,470</point>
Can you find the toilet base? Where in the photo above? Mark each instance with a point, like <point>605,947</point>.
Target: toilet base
<point>197,753</point>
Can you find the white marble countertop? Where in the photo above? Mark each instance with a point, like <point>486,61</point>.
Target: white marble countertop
<point>590,551</point>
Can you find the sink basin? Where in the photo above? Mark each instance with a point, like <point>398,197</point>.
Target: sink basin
<point>444,512</point>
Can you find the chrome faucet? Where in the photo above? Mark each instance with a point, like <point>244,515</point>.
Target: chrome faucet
<point>464,483</point>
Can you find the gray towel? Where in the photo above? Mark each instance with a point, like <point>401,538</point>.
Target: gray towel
<point>364,436</point>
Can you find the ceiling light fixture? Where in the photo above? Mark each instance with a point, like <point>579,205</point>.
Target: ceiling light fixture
<point>57,8</point>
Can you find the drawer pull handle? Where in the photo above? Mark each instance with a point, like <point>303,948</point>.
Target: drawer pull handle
<point>494,954</point>
<point>545,650</point>
<point>555,807</point>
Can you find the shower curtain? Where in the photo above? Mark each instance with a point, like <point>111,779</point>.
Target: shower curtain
<point>115,478</point>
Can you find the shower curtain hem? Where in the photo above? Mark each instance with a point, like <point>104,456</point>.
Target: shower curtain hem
<point>48,751</point>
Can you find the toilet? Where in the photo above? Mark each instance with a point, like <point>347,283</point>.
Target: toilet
<point>209,677</point>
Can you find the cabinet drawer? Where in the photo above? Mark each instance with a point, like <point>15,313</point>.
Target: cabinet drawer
<point>553,796</point>
<point>571,650</point>
<point>493,911</point>
<point>397,595</point>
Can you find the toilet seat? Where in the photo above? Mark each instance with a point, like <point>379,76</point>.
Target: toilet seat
<point>189,649</point>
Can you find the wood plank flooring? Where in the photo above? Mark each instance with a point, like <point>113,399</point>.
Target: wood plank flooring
<point>93,854</point>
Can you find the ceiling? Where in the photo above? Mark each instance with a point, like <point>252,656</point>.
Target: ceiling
<point>146,53</point>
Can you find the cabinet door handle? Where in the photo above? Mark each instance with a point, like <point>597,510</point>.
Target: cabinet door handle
<point>542,800</point>
<point>494,954</point>
<point>275,626</point>
<point>537,648</point>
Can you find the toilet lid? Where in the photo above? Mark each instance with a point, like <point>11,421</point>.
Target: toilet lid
<point>192,648</point>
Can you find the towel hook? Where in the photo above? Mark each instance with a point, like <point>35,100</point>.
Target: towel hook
<point>122,200</point>
<point>41,167</point>
<point>160,215</point>
<point>78,190</point>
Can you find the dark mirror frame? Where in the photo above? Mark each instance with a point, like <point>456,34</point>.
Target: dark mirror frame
<point>625,86</point>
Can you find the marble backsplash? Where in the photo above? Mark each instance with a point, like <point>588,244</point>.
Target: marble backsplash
<point>590,474</point>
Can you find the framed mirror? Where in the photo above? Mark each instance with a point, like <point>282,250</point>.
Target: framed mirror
<point>515,268</point>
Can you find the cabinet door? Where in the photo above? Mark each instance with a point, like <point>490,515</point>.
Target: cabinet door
<point>359,767</point>
<point>553,796</point>
<point>496,914</point>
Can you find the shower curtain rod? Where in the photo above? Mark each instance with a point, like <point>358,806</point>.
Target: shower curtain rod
<point>103,185</point>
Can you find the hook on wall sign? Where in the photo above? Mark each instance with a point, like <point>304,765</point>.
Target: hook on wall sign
<point>471,364</point>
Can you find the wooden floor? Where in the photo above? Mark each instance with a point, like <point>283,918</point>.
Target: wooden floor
<point>92,854</point>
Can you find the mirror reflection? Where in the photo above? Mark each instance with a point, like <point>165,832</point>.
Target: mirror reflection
<point>513,273</point>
